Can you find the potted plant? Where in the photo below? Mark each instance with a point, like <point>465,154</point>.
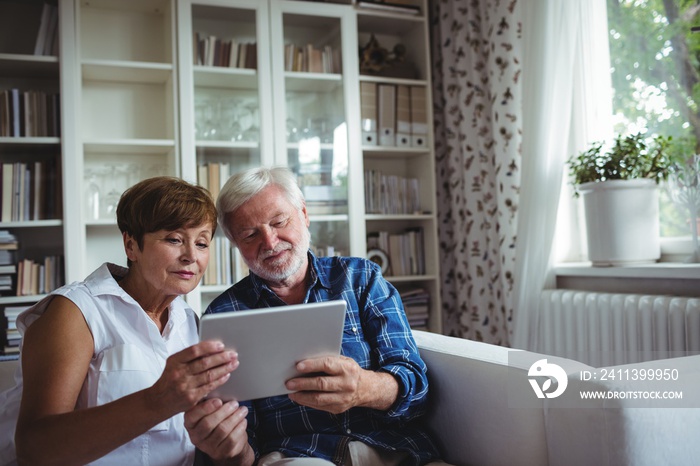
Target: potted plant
<point>619,185</point>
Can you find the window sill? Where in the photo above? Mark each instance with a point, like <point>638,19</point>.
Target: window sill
<point>664,278</point>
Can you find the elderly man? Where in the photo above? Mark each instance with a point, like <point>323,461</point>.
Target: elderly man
<point>364,408</point>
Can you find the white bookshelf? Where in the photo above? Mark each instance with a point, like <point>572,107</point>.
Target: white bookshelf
<point>42,232</point>
<point>134,98</point>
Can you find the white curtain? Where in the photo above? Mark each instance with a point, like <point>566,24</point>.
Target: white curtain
<point>566,105</point>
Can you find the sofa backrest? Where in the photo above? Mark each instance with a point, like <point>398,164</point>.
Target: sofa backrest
<point>469,414</point>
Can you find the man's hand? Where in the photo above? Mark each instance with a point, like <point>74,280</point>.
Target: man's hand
<point>219,430</point>
<point>336,384</point>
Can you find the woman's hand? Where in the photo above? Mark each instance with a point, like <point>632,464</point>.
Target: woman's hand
<point>219,430</point>
<point>190,375</point>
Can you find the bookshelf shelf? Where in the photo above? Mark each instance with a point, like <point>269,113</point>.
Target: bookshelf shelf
<point>19,143</point>
<point>311,82</point>
<point>227,145</point>
<point>225,78</point>
<point>395,81</point>
<point>385,20</point>
<point>394,152</point>
<point>5,300</point>
<point>28,66</point>
<point>32,224</point>
<point>396,218</point>
<point>126,71</point>
<point>130,146</point>
<point>328,218</point>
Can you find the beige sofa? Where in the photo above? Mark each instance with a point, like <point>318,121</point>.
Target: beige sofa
<point>484,410</point>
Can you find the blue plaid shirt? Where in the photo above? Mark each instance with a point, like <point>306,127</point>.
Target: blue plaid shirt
<point>376,335</point>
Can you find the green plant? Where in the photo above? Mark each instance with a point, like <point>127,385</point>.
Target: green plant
<point>630,157</point>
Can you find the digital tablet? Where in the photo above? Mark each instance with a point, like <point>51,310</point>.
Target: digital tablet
<point>270,342</point>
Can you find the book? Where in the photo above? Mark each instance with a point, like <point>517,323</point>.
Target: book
<point>203,176</point>
<point>43,33</point>
<point>213,179</point>
<point>8,240</point>
<point>251,56</point>
<point>233,54</point>
<point>7,256</point>
<point>51,40</point>
<point>242,55</point>
<point>7,191</point>
<point>5,119</point>
<point>15,114</point>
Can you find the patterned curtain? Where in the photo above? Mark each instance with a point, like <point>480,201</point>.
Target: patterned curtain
<point>477,92</point>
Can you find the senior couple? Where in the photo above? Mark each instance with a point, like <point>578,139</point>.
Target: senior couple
<point>112,371</point>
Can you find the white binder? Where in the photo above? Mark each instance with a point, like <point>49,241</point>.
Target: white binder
<point>403,116</point>
<point>387,114</point>
<point>419,117</point>
<point>368,113</point>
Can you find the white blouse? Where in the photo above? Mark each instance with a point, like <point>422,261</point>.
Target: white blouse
<point>129,355</point>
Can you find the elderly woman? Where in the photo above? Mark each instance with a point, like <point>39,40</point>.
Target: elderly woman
<point>108,365</point>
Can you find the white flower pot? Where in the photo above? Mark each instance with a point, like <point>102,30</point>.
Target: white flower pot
<point>622,221</point>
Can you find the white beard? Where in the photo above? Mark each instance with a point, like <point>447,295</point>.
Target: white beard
<point>279,270</point>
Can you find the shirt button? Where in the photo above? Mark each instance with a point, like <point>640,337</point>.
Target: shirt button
<point>349,431</point>
<point>354,330</point>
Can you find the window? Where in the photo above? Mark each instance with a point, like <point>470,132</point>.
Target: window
<point>655,71</point>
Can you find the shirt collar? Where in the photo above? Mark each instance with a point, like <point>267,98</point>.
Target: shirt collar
<point>104,280</point>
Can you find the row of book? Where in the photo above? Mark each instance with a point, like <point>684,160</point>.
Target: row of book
<point>226,265</point>
<point>212,176</point>
<point>393,115</point>
<point>416,304</point>
<point>12,336</point>
<point>310,59</point>
<point>391,194</point>
<point>47,36</point>
<point>30,191</point>
<point>214,51</point>
<point>29,113</point>
<point>35,278</point>
<point>404,250</point>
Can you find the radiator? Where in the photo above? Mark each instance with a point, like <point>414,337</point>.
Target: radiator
<point>604,329</point>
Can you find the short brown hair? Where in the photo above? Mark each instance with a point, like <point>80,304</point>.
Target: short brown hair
<point>164,203</point>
